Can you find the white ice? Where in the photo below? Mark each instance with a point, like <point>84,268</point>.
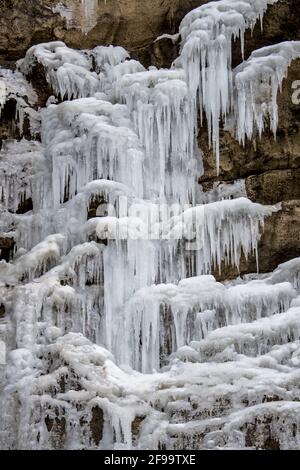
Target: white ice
<point>117,335</point>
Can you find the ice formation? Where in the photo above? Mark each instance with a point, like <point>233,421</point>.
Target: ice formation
<point>207,33</point>
<point>67,71</point>
<point>164,118</point>
<point>257,82</point>
<point>195,309</point>
<point>15,88</point>
<point>91,139</point>
<point>117,334</point>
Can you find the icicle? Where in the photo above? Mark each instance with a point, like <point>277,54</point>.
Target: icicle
<point>82,15</point>
<point>66,70</point>
<point>109,56</point>
<point>197,307</point>
<point>116,334</point>
<point>87,139</point>
<point>207,33</point>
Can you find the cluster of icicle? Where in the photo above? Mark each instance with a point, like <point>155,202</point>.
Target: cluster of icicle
<point>257,82</point>
<point>117,335</point>
<point>81,15</point>
<point>14,87</point>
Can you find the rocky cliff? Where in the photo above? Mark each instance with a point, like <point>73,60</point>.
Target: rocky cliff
<point>208,364</point>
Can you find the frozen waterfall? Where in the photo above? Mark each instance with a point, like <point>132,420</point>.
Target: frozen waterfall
<point>116,333</point>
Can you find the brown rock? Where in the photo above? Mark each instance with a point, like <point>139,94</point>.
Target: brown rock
<point>136,425</point>
<point>281,239</point>
<point>25,206</point>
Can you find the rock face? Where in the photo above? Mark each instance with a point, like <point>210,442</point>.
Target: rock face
<point>265,154</point>
<point>270,167</point>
